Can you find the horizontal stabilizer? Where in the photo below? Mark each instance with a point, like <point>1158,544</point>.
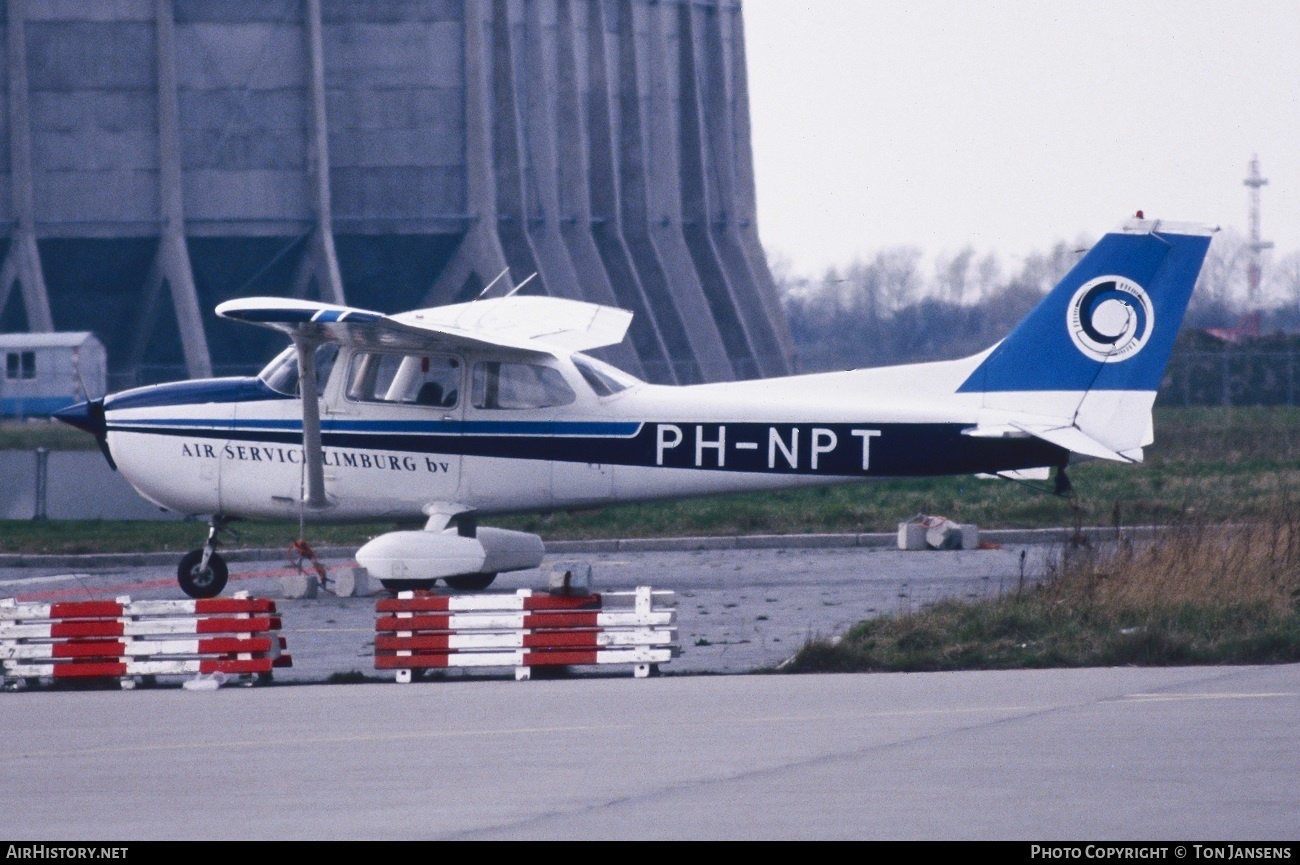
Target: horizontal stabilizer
<point>1041,473</point>
<point>996,431</point>
<point>1072,439</point>
<point>1062,435</point>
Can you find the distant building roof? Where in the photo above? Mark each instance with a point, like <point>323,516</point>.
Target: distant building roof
<point>65,339</point>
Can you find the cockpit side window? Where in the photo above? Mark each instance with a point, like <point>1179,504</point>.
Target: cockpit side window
<point>503,385</point>
<point>411,379</point>
<point>281,374</point>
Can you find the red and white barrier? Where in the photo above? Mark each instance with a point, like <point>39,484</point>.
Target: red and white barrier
<point>124,639</point>
<point>525,630</point>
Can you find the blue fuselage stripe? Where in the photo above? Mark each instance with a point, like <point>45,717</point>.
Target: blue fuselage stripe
<point>893,450</point>
<point>372,427</point>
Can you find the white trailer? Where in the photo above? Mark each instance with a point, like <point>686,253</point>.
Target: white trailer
<point>41,373</point>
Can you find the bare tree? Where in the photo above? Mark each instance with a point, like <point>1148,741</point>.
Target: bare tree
<point>952,275</point>
<point>886,309</point>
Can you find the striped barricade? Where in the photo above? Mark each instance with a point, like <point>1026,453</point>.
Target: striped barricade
<point>419,631</point>
<point>125,639</point>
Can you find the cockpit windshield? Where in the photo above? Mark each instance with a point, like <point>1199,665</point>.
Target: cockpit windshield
<point>605,380</point>
<point>281,374</point>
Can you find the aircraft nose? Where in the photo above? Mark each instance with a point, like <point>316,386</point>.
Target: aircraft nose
<point>89,416</point>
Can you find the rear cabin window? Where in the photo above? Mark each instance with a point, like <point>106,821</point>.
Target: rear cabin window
<point>501,385</point>
<point>410,379</point>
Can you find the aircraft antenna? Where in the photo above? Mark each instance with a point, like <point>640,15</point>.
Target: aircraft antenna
<point>1254,271</point>
<point>522,284</point>
<point>492,283</point>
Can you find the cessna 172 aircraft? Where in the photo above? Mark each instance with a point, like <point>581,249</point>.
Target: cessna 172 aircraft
<point>489,407</point>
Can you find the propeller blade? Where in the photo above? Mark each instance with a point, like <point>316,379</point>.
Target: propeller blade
<point>89,416</point>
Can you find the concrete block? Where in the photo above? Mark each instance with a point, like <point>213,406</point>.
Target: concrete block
<point>944,536</point>
<point>970,536</point>
<point>911,536</point>
<point>569,578</point>
<point>352,582</point>
<point>299,586</point>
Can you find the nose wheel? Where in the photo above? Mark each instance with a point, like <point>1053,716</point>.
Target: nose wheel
<point>200,579</point>
<point>202,573</point>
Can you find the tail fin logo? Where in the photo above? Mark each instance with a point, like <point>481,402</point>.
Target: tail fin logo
<point>1110,318</point>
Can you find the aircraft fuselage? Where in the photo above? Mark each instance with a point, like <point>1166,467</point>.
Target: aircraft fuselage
<point>234,446</point>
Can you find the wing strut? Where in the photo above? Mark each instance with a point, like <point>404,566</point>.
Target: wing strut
<point>311,446</point>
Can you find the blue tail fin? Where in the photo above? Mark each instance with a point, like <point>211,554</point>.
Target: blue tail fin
<point>1110,324</point>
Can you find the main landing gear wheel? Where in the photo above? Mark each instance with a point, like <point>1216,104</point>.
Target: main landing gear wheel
<point>199,581</point>
<point>470,582</point>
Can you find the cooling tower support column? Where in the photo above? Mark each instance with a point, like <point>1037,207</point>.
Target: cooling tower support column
<point>568,138</point>
<point>646,332</point>
<point>173,260</point>
<point>717,108</point>
<point>699,180</point>
<point>712,340</point>
<point>23,264</point>
<point>320,259</point>
<point>507,155</point>
<point>479,256</point>
<point>689,333</point>
<point>532,63</point>
<point>743,221</point>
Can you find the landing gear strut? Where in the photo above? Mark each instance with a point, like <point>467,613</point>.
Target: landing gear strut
<point>202,573</point>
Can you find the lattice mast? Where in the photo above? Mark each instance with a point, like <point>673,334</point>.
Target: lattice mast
<point>1255,270</point>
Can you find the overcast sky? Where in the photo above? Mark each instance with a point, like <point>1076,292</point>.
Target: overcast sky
<point>1011,125</point>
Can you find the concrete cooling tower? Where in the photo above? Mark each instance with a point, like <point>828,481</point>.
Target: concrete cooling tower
<point>162,156</point>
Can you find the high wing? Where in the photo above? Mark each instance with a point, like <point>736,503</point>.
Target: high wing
<point>528,323</point>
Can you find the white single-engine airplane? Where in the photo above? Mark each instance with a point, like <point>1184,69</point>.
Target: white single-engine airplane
<point>490,407</point>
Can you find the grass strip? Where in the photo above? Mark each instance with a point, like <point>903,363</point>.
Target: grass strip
<point>1197,593</point>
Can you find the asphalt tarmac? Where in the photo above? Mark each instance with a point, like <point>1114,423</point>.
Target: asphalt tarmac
<point>1171,758</point>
